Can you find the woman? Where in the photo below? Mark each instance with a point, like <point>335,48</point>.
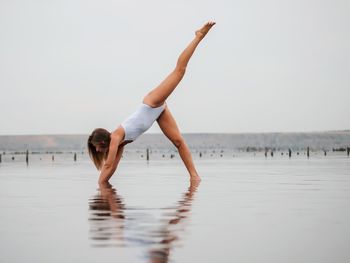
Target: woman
<point>105,148</point>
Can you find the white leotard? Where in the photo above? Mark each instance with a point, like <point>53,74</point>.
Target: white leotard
<point>140,121</point>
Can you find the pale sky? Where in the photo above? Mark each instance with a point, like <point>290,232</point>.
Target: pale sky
<point>267,66</point>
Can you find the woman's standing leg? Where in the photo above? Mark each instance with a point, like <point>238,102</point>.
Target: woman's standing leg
<point>158,95</point>
<point>169,127</point>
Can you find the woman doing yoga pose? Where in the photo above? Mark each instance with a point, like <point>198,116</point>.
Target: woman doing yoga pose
<point>105,148</point>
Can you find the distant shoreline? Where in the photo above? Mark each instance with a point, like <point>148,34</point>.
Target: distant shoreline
<point>326,140</point>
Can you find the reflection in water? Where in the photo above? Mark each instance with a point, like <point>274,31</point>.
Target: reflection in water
<point>107,216</point>
<point>111,227</point>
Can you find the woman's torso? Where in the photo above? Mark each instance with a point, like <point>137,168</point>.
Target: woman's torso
<point>140,121</point>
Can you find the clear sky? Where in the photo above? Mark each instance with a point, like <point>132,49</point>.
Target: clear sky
<point>68,66</point>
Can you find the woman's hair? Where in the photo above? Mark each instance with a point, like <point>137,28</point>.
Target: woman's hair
<point>100,137</point>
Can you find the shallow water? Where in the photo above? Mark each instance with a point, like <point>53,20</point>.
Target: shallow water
<point>246,209</point>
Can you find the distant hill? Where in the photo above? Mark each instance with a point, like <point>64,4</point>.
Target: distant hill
<point>315,140</point>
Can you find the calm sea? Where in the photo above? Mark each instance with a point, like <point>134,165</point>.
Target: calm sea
<point>247,208</point>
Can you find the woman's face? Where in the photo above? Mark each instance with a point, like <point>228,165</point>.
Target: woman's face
<point>100,148</point>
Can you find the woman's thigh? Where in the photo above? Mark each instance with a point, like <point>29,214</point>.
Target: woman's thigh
<point>169,127</point>
<point>158,95</point>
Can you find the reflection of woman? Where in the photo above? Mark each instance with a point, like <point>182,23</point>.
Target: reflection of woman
<point>106,148</point>
<point>161,254</point>
<point>108,205</point>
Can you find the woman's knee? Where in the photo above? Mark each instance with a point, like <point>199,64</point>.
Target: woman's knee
<point>180,71</point>
<point>178,141</point>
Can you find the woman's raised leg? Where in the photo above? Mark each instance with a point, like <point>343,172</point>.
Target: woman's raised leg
<point>169,127</point>
<point>158,95</point>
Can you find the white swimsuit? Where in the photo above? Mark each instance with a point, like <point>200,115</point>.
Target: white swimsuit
<point>140,121</point>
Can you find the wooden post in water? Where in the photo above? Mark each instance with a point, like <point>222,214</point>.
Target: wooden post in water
<point>27,157</point>
<point>308,152</point>
<point>75,157</point>
<point>147,154</point>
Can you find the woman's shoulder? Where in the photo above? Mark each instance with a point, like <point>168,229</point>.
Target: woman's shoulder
<point>118,134</point>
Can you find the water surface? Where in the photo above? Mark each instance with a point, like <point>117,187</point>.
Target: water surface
<point>247,209</point>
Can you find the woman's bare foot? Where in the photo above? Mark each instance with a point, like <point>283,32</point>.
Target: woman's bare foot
<point>195,178</point>
<point>204,30</point>
<point>193,186</point>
